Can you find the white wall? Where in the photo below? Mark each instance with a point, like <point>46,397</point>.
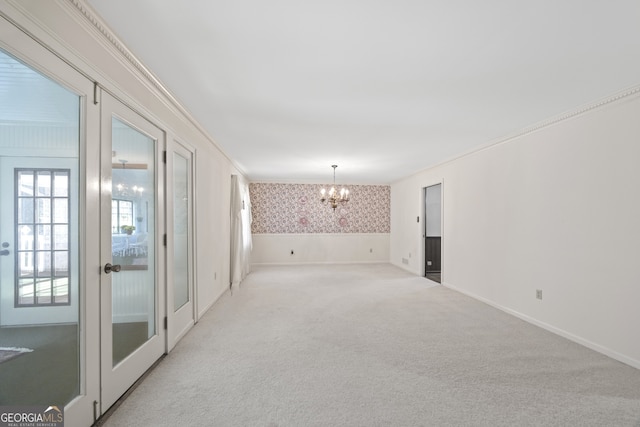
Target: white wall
<point>527,214</point>
<point>320,248</point>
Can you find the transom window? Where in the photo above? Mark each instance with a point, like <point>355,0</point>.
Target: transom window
<point>42,236</point>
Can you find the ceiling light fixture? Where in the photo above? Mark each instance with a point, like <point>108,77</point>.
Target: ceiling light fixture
<point>124,190</point>
<point>334,197</point>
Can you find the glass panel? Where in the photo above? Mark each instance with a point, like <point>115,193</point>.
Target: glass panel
<point>43,211</point>
<point>61,236</point>
<point>114,216</point>
<point>25,211</point>
<point>180,231</point>
<point>25,264</point>
<point>122,215</point>
<point>26,291</point>
<point>61,261</point>
<point>61,211</point>
<point>25,179</point>
<point>43,239</point>
<point>43,291</point>
<point>39,137</point>
<point>61,184</point>
<point>133,240</point>
<point>43,264</point>
<point>25,238</point>
<point>43,184</point>
<point>60,291</point>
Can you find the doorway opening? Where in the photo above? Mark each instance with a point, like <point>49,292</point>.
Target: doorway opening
<point>433,233</point>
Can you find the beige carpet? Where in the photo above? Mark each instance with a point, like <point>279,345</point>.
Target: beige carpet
<point>370,345</point>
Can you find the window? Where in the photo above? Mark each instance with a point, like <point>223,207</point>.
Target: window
<point>42,234</point>
<point>121,214</point>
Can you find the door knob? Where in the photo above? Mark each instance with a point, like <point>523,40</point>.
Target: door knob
<point>4,252</point>
<point>108,268</point>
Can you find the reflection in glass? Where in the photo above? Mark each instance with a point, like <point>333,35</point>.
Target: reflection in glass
<point>61,186</point>
<point>180,231</point>
<point>132,241</point>
<point>44,183</point>
<point>39,126</point>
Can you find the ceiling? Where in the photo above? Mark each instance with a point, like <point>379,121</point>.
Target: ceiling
<point>382,88</point>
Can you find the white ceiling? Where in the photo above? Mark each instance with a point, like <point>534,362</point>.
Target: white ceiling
<point>381,88</point>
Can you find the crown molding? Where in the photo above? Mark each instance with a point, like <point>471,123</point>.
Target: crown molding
<point>573,113</point>
<point>91,17</point>
<point>126,57</point>
<point>616,97</point>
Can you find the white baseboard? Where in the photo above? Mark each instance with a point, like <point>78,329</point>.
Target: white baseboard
<point>211,304</point>
<point>561,332</point>
<point>258,264</point>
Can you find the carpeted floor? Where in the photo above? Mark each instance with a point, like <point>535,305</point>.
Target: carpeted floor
<point>49,374</point>
<point>370,345</point>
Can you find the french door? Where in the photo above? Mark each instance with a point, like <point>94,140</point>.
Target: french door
<point>48,281</point>
<point>180,286</point>
<point>82,232</point>
<point>132,248</point>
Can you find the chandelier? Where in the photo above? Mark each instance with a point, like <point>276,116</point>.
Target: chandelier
<point>334,197</point>
<point>124,190</point>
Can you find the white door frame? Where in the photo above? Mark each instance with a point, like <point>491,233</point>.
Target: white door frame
<point>83,409</point>
<point>180,321</point>
<point>116,380</point>
<point>423,229</point>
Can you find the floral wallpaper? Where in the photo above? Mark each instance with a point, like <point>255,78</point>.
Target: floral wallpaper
<point>296,208</point>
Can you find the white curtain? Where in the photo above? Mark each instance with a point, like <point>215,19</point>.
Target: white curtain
<point>241,243</point>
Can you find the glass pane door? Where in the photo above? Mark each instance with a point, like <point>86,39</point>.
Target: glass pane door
<point>40,337</point>
<point>132,272</point>
<point>133,238</point>
<point>181,252</point>
<point>181,315</point>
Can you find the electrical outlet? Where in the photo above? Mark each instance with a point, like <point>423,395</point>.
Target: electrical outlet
<point>539,293</point>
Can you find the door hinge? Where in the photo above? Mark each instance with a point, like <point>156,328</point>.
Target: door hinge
<point>164,156</point>
<point>164,239</point>
<point>95,93</point>
<point>166,323</point>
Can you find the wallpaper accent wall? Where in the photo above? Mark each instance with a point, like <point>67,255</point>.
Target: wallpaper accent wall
<point>296,208</point>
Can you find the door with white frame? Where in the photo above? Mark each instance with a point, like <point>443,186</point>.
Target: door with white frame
<point>180,286</point>
<point>132,249</point>
<point>433,233</point>
<point>48,288</point>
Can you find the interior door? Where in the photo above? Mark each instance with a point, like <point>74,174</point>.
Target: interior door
<point>132,251</point>
<point>48,311</point>
<point>433,232</point>
<point>180,289</point>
